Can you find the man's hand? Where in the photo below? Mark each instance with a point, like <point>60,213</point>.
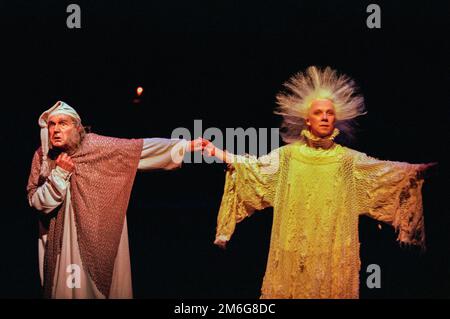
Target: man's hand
<point>65,162</point>
<point>197,145</point>
<point>209,149</point>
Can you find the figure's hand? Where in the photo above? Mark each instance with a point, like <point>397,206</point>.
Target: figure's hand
<point>197,145</point>
<point>65,162</point>
<point>427,169</point>
<point>221,243</point>
<point>211,150</point>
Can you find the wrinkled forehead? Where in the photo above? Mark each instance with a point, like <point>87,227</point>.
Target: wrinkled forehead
<point>57,118</point>
<point>322,104</point>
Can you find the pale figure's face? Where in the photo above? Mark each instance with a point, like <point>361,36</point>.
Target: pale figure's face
<point>321,118</point>
<point>63,131</point>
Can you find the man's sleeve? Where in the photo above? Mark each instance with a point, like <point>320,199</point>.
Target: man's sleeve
<point>50,194</point>
<point>162,153</point>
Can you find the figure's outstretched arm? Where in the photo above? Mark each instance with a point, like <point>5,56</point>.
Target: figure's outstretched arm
<point>391,192</point>
<point>166,154</point>
<point>250,185</point>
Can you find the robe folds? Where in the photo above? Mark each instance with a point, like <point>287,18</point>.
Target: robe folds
<point>83,220</point>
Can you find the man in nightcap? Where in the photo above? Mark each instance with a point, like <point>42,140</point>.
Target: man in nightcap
<point>81,184</point>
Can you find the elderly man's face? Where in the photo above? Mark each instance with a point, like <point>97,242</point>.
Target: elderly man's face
<point>63,131</point>
<point>321,118</point>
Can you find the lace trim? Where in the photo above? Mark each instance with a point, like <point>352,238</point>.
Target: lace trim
<point>319,142</point>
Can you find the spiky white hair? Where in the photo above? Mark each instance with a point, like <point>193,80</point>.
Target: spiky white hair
<point>316,83</point>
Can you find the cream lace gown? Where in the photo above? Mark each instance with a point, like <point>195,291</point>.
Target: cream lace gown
<point>318,195</point>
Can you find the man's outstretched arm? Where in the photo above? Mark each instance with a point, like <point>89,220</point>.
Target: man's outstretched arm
<point>166,154</point>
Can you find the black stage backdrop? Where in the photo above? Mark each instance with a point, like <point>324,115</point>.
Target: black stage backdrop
<point>221,62</point>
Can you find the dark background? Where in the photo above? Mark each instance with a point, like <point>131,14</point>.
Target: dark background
<point>222,62</point>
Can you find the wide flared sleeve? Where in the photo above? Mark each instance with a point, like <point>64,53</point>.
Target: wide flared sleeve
<point>162,153</point>
<point>46,195</point>
<point>250,184</point>
<point>391,192</point>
